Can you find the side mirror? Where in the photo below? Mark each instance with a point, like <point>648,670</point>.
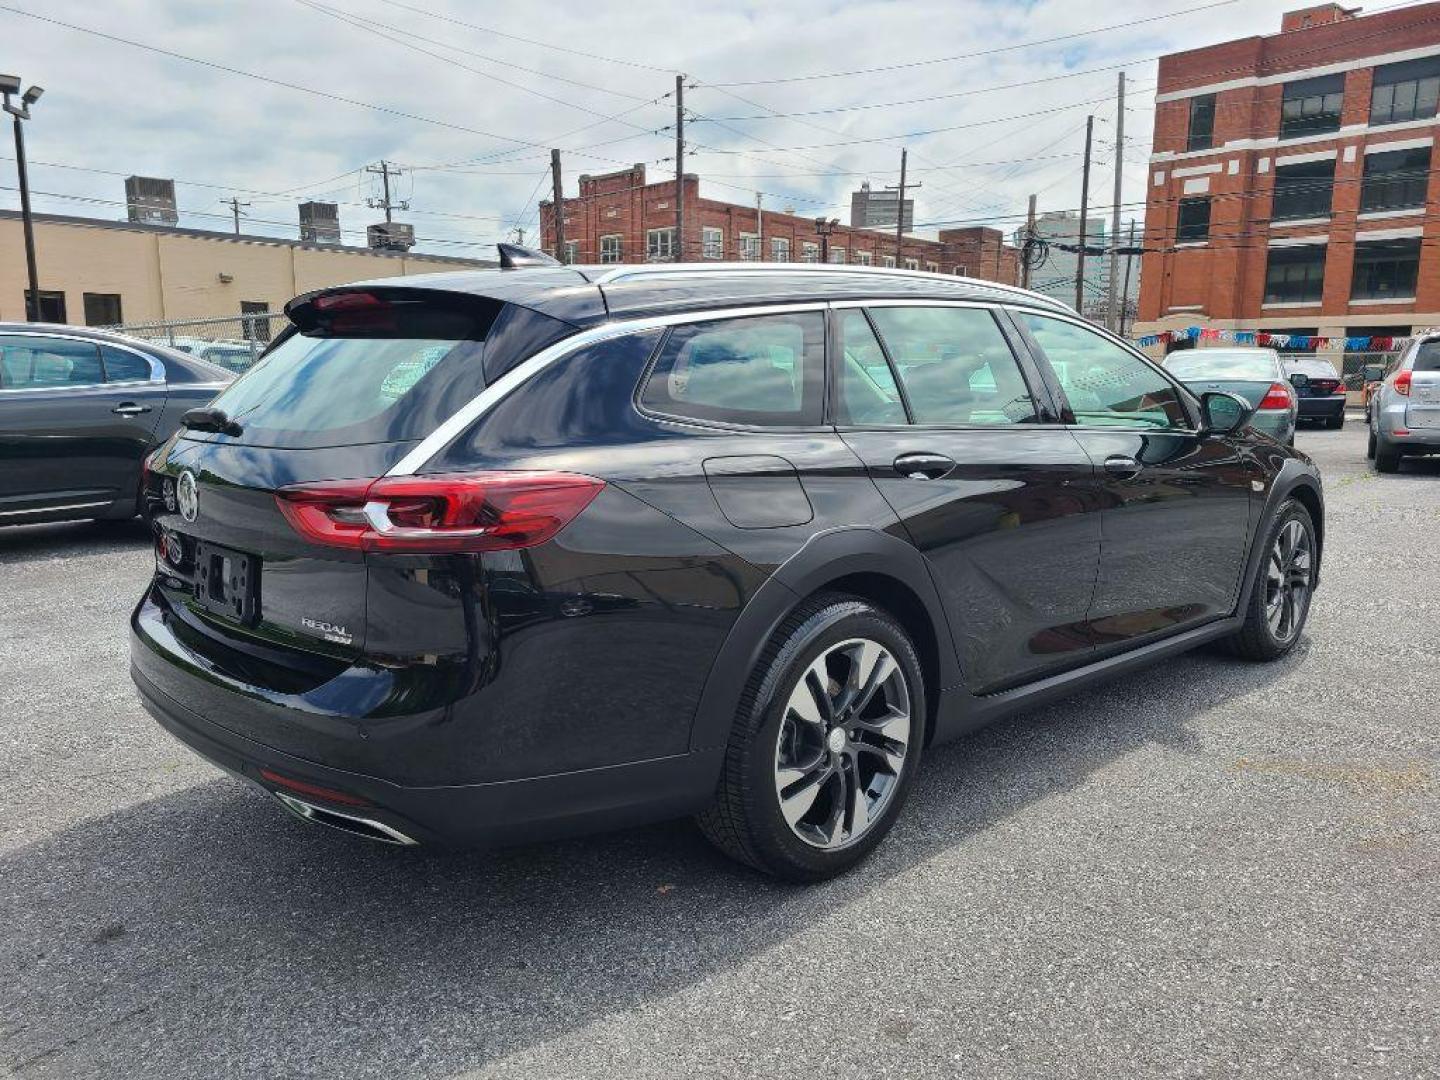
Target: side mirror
<point>1374,372</point>
<point>1223,413</point>
<point>1299,379</point>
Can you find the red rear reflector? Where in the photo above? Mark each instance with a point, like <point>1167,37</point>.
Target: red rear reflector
<point>439,514</point>
<point>1402,384</point>
<point>1277,397</point>
<point>314,790</point>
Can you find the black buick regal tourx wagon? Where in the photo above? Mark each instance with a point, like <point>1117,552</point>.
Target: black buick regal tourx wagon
<point>497,555</point>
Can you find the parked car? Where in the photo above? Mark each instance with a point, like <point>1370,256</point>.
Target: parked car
<point>1254,374</point>
<point>498,555</point>
<point>1372,376</point>
<point>233,356</point>
<point>79,411</point>
<point>1404,412</point>
<point>1320,392</point>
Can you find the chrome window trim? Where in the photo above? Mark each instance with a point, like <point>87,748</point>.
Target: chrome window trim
<point>517,376</point>
<point>55,509</point>
<point>157,369</point>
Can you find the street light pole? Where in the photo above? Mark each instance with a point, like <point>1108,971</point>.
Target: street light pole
<point>10,84</point>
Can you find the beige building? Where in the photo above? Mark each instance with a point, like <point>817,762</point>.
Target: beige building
<point>100,273</point>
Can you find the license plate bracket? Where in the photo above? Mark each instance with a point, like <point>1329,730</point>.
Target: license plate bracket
<point>227,582</point>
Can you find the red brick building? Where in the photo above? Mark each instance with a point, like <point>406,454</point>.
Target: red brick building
<point>620,218</point>
<point>1292,185</point>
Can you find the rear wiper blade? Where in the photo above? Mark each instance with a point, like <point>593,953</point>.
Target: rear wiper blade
<point>208,418</point>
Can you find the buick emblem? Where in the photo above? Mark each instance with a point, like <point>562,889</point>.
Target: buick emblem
<point>187,494</point>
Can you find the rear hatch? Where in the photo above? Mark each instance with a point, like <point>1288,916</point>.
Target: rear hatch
<point>1422,412</point>
<point>342,397</point>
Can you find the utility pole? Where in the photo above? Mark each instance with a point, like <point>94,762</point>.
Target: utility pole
<point>1024,247</point>
<point>759,229</point>
<point>235,206</point>
<point>824,229</point>
<point>558,201</point>
<point>385,171</point>
<point>900,207</point>
<point>1125,293</point>
<point>1084,209</point>
<point>679,255</point>
<point>10,84</point>
<point>1113,301</point>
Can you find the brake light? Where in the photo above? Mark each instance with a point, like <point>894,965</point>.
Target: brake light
<point>440,514</point>
<point>1402,383</point>
<point>353,312</point>
<point>1279,396</point>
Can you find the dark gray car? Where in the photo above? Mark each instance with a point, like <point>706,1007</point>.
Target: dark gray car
<point>79,412</point>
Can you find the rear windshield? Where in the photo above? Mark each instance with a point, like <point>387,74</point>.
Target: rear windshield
<point>1315,368</point>
<point>390,383</point>
<point>1214,364</point>
<point>1427,357</point>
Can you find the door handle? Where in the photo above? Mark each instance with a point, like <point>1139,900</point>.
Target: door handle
<point>923,466</point>
<point>1122,466</point>
<point>129,408</point>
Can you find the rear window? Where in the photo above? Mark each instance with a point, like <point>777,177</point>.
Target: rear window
<point>1208,364</point>
<point>1427,357</point>
<point>1315,368</point>
<point>389,378</point>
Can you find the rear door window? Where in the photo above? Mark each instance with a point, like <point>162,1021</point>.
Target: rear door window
<point>121,365</point>
<point>765,370</point>
<point>390,375</point>
<point>35,361</point>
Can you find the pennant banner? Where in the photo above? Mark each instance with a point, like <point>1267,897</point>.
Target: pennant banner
<point>1265,339</point>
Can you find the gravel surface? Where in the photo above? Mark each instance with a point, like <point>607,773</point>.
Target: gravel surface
<point>1210,868</point>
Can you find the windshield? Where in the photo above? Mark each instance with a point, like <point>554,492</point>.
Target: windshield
<point>383,385</point>
<point>1219,364</point>
<point>1312,366</point>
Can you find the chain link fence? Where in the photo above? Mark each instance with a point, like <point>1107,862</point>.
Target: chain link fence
<point>233,342</point>
<point>1352,370</point>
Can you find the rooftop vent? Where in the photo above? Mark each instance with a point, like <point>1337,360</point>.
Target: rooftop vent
<point>150,201</point>
<point>320,222</point>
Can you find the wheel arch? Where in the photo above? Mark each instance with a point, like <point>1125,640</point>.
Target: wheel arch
<point>1299,480</point>
<point>876,566</point>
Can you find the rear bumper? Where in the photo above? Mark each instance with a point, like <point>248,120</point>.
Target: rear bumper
<point>474,815</point>
<point>1322,408</point>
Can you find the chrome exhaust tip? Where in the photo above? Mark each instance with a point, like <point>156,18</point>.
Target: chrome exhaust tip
<point>354,824</point>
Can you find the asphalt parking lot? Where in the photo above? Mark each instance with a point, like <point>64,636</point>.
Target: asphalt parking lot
<point>1211,868</point>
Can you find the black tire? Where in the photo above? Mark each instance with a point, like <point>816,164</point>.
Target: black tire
<point>1370,445</point>
<point>1257,639</point>
<point>1387,457</point>
<point>1335,422</point>
<point>745,821</point>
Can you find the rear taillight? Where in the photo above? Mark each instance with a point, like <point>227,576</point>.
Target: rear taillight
<point>442,514</point>
<point>1402,384</point>
<point>1278,396</point>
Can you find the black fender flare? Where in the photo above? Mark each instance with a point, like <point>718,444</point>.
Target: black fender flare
<point>825,557</point>
<point>1295,474</point>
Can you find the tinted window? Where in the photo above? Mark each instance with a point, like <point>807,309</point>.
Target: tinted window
<point>1311,106</point>
<point>1385,268</point>
<point>1395,179</point>
<point>1193,222</point>
<point>955,365</point>
<point>1303,190</point>
<point>1406,91</point>
<point>867,390</point>
<point>1295,275</point>
<point>1202,123</point>
<point>763,370</point>
<point>415,365</point>
<point>1106,385</point>
<point>1427,357</point>
<point>124,366</point>
<point>1218,364</point>
<point>37,361</point>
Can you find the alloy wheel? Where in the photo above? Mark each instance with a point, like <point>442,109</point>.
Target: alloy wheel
<point>1287,580</point>
<point>842,743</point>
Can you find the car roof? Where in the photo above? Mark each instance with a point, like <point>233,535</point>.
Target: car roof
<point>589,294</point>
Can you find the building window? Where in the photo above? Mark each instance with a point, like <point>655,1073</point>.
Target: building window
<point>611,248</point>
<point>934,268</point>
<point>890,262</point>
<point>779,249</point>
<point>102,309</point>
<point>660,244</point>
<point>1386,269</point>
<point>255,329</point>
<point>1193,223</point>
<point>809,252</point>
<point>1202,123</point>
<point>749,247</point>
<point>1406,91</point>
<point>1395,179</point>
<point>712,243</point>
<point>959,271</point>
<point>837,255</point>
<point>1295,275</point>
<point>52,306</point>
<point>912,264</point>
<point>572,251</point>
<point>863,258</point>
<point>1311,106</point>
<point>1303,191</point>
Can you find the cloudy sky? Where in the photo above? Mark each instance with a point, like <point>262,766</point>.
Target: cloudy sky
<point>295,97</point>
